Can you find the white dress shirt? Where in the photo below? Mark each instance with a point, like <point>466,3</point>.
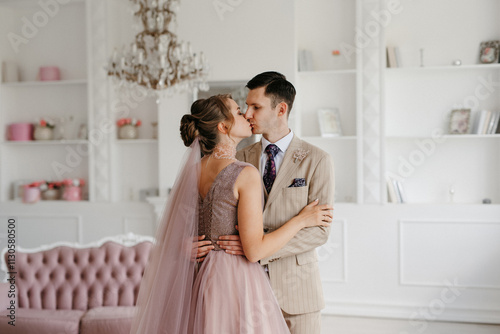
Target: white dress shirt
<point>282,144</point>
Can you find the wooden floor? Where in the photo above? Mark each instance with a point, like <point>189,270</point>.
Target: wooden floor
<point>356,325</point>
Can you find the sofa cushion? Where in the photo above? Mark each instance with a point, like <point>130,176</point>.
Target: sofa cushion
<point>29,321</point>
<point>108,320</point>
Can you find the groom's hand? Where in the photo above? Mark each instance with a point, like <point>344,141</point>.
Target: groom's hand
<point>231,244</point>
<point>202,248</point>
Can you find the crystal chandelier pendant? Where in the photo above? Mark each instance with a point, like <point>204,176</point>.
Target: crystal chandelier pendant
<point>157,60</point>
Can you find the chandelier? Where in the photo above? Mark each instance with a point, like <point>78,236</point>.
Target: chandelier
<point>156,60</point>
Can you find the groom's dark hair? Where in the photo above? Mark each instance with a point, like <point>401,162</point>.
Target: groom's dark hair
<point>278,89</point>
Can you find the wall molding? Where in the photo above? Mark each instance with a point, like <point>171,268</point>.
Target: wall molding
<point>410,312</point>
<point>78,218</point>
<point>406,282</point>
<point>343,223</point>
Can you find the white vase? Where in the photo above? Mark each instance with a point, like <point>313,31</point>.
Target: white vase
<point>43,133</point>
<point>128,131</point>
<point>50,194</point>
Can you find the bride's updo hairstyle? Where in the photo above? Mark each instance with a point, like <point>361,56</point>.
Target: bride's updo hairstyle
<point>205,115</point>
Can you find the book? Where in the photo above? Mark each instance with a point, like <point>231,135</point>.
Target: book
<point>482,118</point>
<point>493,122</point>
<point>391,57</point>
<point>475,124</point>
<point>486,123</point>
<point>401,192</point>
<point>391,191</point>
<point>398,57</point>
<point>398,194</point>
<point>305,60</point>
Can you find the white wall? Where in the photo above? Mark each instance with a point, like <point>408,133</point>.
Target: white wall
<point>242,40</point>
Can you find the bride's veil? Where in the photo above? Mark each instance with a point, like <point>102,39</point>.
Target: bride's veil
<point>164,299</point>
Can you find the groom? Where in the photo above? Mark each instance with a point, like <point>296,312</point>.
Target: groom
<point>294,173</point>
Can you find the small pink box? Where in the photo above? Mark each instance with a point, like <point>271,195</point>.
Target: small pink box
<point>50,73</point>
<point>20,131</point>
<point>72,193</point>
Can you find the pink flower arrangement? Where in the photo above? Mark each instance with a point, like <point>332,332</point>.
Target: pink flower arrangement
<point>44,185</point>
<point>35,184</point>
<point>73,182</point>
<point>53,184</point>
<point>131,121</point>
<point>46,123</point>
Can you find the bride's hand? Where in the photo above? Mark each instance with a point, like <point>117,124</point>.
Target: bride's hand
<point>201,249</point>
<point>231,244</point>
<point>314,214</point>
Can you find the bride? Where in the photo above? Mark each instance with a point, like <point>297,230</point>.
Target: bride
<point>213,193</point>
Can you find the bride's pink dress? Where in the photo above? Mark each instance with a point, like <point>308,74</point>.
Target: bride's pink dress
<point>230,294</point>
<point>227,294</point>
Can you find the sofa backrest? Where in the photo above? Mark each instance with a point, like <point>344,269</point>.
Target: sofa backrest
<point>68,278</point>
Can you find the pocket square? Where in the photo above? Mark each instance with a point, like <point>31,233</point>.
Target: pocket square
<point>299,182</point>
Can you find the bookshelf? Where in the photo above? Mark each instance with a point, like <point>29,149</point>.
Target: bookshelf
<point>66,101</point>
<point>331,82</point>
<point>419,100</point>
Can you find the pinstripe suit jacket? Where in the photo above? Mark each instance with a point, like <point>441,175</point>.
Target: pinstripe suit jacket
<point>293,270</point>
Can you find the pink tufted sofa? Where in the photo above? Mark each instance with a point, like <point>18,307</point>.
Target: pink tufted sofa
<point>65,290</point>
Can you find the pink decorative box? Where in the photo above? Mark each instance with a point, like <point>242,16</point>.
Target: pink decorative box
<point>49,73</point>
<point>72,193</point>
<point>20,131</point>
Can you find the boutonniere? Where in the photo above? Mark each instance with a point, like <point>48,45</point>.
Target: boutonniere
<point>299,154</point>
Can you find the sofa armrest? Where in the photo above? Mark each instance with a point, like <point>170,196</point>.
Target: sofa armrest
<point>6,296</point>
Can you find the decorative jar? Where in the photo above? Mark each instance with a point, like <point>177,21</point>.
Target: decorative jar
<point>43,133</point>
<point>50,73</point>
<point>128,131</point>
<point>31,194</point>
<point>51,194</point>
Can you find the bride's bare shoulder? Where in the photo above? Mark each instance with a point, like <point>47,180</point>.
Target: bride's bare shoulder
<point>249,174</point>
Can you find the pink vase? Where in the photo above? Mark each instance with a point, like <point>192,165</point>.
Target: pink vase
<point>20,131</point>
<point>49,73</point>
<point>31,195</point>
<point>72,193</point>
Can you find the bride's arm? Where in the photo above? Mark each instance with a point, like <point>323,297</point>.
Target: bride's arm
<point>257,245</point>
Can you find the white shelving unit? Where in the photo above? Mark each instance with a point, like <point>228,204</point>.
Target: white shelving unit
<point>44,83</point>
<point>437,167</point>
<point>331,83</point>
<point>58,39</point>
<point>114,170</point>
<point>135,162</point>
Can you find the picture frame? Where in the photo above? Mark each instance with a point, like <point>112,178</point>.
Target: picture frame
<point>460,120</point>
<point>329,122</point>
<point>489,52</point>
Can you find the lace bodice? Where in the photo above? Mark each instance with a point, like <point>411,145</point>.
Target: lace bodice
<point>218,212</point>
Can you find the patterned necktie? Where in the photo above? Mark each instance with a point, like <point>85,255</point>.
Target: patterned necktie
<point>270,170</point>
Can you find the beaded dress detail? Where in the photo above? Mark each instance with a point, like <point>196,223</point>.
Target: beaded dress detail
<point>230,294</point>
<point>219,217</point>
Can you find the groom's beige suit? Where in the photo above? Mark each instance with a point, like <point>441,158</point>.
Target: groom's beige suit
<point>293,270</point>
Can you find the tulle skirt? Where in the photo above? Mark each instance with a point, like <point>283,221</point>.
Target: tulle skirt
<point>233,296</point>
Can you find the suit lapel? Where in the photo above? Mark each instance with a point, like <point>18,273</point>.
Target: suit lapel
<point>287,168</point>
<point>253,155</point>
